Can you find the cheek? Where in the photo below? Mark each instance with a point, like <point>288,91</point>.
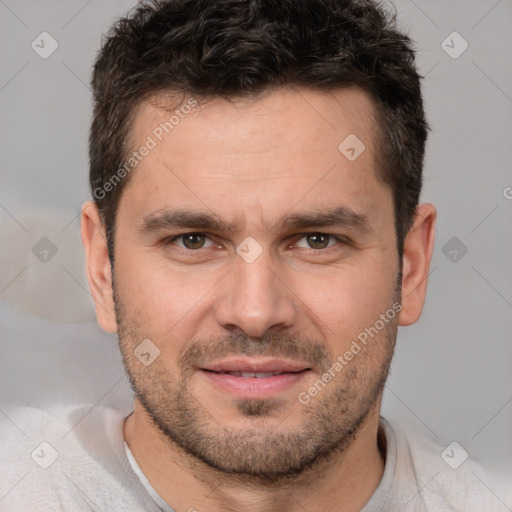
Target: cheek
<point>163,298</point>
<point>347,300</point>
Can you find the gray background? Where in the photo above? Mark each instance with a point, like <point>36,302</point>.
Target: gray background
<point>451,374</point>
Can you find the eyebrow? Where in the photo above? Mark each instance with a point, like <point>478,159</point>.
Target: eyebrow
<point>341,217</point>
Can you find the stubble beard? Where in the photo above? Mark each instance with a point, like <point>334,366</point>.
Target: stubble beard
<point>266,450</point>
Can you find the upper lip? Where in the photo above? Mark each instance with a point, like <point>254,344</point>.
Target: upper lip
<point>255,365</point>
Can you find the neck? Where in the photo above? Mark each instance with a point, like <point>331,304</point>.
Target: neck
<point>348,478</point>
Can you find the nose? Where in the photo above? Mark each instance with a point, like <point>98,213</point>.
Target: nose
<point>254,299</point>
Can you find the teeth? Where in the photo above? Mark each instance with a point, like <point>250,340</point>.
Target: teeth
<point>257,375</point>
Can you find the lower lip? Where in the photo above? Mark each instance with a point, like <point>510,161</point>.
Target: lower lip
<point>253,387</point>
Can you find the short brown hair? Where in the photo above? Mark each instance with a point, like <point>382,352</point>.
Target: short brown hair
<point>236,48</point>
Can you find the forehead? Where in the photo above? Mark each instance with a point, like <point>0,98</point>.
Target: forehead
<point>289,147</point>
<point>297,115</point>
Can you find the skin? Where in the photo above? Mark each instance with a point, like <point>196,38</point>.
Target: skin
<point>253,163</point>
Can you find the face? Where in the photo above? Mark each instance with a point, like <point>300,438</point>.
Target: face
<point>255,255</point>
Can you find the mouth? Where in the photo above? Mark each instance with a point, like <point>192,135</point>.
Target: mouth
<point>249,375</point>
<point>254,378</point>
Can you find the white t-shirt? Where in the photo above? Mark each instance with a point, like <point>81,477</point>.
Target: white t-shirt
<point>75,459</point>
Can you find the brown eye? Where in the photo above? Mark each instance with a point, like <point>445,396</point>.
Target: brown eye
<point>318,240</point>
<point>193,240</point>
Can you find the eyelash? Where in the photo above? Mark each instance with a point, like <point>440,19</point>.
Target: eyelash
<point>339,240</point>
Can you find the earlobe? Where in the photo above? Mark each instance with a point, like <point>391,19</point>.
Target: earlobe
<point>99,273</point>
<point>418,249</point>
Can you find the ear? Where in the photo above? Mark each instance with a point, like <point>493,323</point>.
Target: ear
<point>418,248</point>
<point>99,272</point>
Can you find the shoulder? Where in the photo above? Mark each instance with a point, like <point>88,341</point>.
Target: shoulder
<point>431,475</point>
<point>67,458</point>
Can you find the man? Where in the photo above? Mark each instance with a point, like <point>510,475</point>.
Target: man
<point>255,241</point>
